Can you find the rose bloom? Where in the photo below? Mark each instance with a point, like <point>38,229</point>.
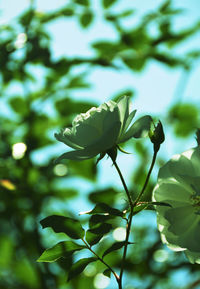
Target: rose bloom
<point>179,185</point>
<point>101,129</point>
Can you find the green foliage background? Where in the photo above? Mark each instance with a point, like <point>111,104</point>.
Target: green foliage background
<point>31,190</point>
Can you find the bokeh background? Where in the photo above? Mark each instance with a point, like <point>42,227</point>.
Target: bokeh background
<point>57,59</point>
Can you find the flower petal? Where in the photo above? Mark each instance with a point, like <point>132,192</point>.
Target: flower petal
<point>109,138</point>
<point>66,140</point>
<point>140,128</point>
<point>123,106</point>
<point>86,134</point>
<point>77,155</point>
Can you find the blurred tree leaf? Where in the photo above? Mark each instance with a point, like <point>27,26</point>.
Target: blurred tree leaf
<point>96,232</point>
<point>61,249</point>
<point>61,224</point>
<point>86,19</point>
<point>114,247</point>
<point>86,169</point>
<point>82,2</point>
<point>108,3</point>
<point>102,208</point>
<point>107,196</point>
<point>79,266</point>
<point>96,219</point>
<point>107,273</point>
<point>185,119</point>
<point>19,105</point>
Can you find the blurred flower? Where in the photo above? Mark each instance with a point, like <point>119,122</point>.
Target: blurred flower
<point>101,129</point>
<point>179,185</point>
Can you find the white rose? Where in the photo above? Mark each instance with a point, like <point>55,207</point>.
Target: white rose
<point>101,129</point>
<point>179,185</point>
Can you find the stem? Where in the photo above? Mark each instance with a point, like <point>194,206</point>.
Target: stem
<point>147,179</point>
<point>124,183</point>
<point>132,205</point>
<point>102,261</point>
<point>128,227</point>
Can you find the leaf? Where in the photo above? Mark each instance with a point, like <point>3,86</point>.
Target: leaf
<point>61,224</point>
<point>86,169</point>
<point>140,207</point>
<point>96,219</point>
<point>93,239</point>
<point>107,272</point>
<point>94,234</point>
<point>107,196</point>
<point>86,19</point>
<point>82,2</point>
<point>62,249</point>
<point>185,118</point>
<point>143,205</point>
<point>102,228</point>
<point>159,204</point>
<point>114,247</point>
<point>19,105</point>
<point>108,3</point>
<point>102,208</point>
<point>79,266</point>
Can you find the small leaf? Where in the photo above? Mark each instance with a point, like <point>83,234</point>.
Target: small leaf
<point>103,228</point>
<point>82,2</point>
<point>62,249</point>
<point>198,136</point>
<point>86,19</point>
<point>94,234</point>
<point>102,208</point>
<point>159,204</point>
<point>93,239</point>
<point>107,272</point>
<point>107,196</point>
<point>96,219</point>
<point>79,266</point>
<point>108,3</point>
<point>19,105</point>
<point>140,207</point>
<point>61,224</point>
<point>114,247</point>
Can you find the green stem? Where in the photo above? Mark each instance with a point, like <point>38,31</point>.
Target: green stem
<point>124,183</point>
<point>147,179</point>
<point>102,261</point>
<point>132,205</point>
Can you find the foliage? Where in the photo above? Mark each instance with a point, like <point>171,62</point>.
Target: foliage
<point>32,187</point>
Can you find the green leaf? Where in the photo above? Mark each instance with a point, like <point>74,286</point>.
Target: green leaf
<point>185,118</point>
<point>19,105</point>
<point>107,272</point>
<point>96,219</point>
<point>107,196</point>
<point>86,19</point>
<point>93,239</point>
<point>144,205</point>
<point>61,224</point>
<point>102,208</point>
<point>108,3</point>
<point>140,207</point>
<point>159,204</point>
<point>95,233</point>
<point>82,2</point>
<point>114,247</point>
<point>62,249</point>
<point>86,169</point>
<point>102,228</point>
<point>79,266</point>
